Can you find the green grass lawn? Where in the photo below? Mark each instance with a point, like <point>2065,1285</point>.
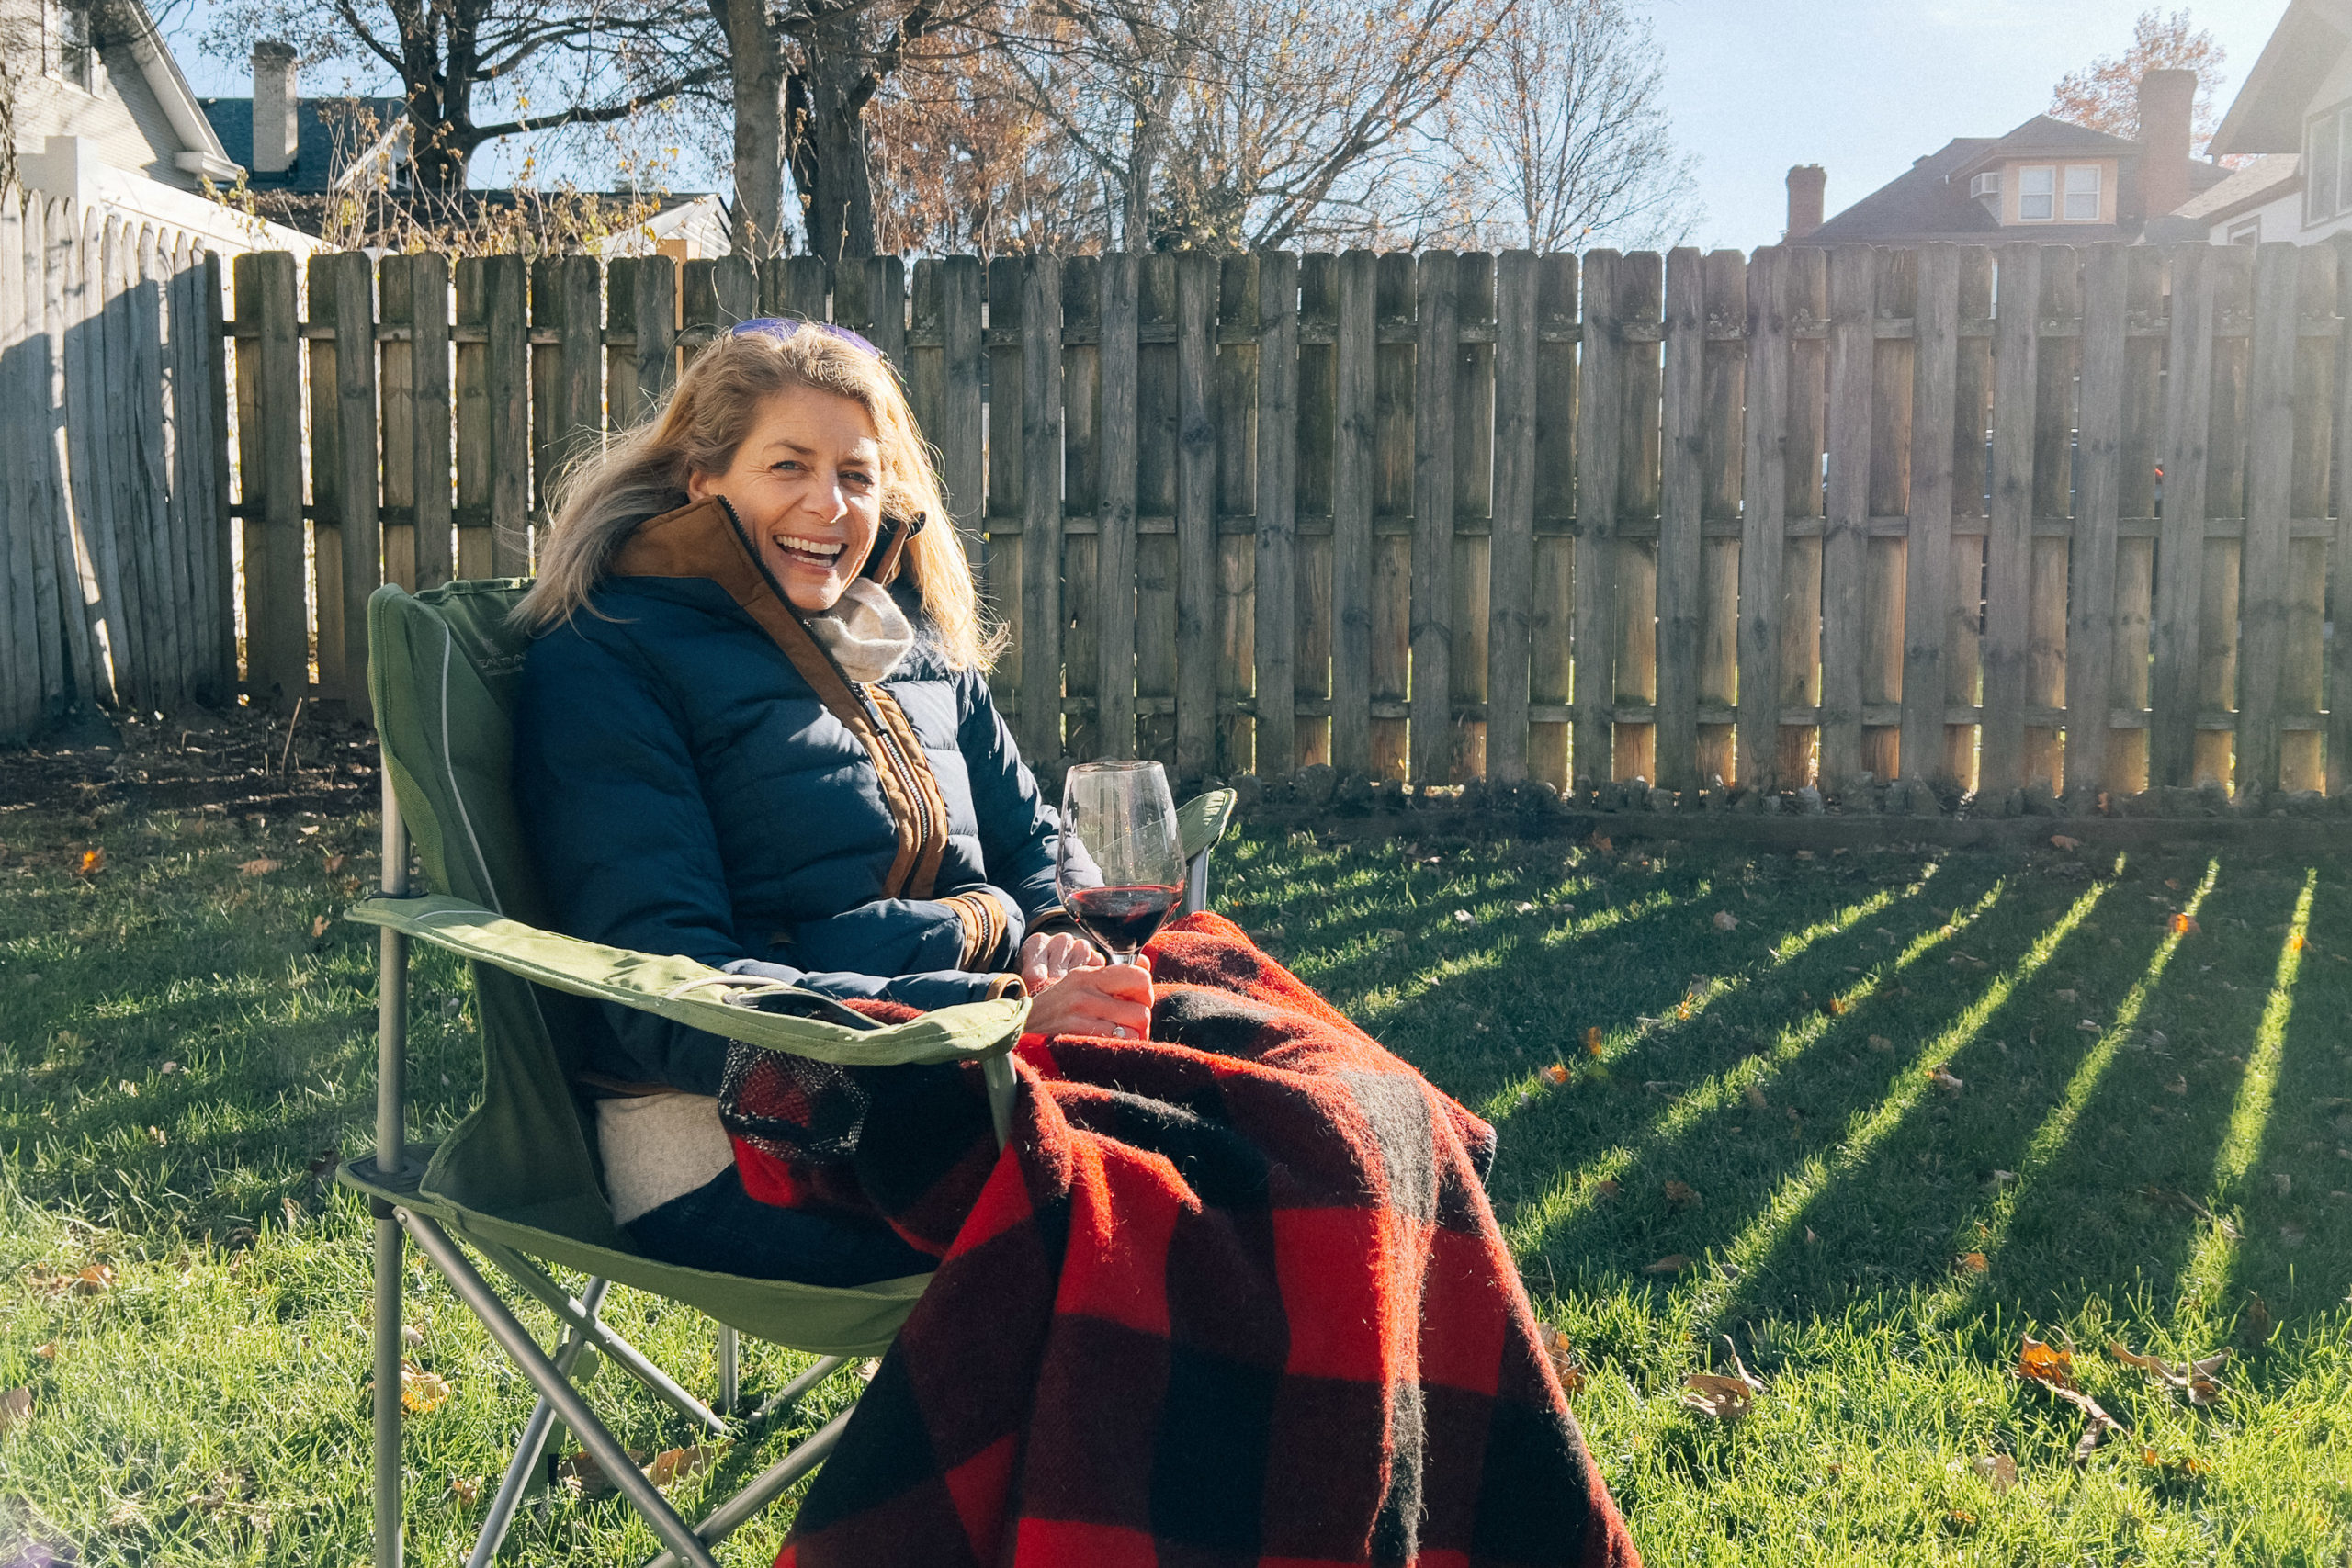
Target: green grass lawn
<point>1750,1146</point>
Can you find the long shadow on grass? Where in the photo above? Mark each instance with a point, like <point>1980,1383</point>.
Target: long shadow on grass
<point>1759,1173</point>
<point>1655,982</point>
<point>1729,1146</point>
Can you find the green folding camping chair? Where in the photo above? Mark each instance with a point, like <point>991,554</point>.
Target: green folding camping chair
<point>517,1180</point>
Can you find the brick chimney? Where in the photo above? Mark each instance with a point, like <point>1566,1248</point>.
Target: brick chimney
<point>2167,100</point>
<point>276,101</point>
<point>1806,183</point>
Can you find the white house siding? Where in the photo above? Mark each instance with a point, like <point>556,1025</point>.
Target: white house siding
<point>2278,220</point>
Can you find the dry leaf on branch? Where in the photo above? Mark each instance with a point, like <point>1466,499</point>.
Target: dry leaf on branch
<point>422,1392</point>
<point>1672,1263</point>
<point>1563,1357</point>
<point>15,1409</point>
<point>1999,1471</point>
<point>261,866</point>
<point>1725,920</point>
<point>2194,1378</point>
<point>1724,1398</point>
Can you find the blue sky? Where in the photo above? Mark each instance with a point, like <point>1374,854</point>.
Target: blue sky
<point>1864,86</point>
<point>1861,86</point>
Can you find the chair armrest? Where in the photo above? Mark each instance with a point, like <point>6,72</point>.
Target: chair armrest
<point>687,992</point>
<point>1202,820</point>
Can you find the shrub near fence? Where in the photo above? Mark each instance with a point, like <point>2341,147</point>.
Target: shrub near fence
<point>1983,516</point>
<point>114,548</point>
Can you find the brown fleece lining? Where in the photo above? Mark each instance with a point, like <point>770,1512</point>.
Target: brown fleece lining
<point>704,540</point>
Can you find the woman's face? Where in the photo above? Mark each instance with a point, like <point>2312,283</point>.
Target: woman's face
<point>806,481</point>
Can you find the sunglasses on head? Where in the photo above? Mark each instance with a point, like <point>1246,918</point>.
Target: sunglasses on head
<point>784,326</point>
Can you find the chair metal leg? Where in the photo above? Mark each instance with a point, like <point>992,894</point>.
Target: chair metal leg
<point>1196,884</point>
<point>729,1394</point>
<point>392,1136</point>
<point>553,1386</point>
<point>763,1489</point>
<point>520,1469</point>
<point>557,1300</point>
<point>791,1392</point>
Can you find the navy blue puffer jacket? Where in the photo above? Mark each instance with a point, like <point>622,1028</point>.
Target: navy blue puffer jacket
<point>687,792</point>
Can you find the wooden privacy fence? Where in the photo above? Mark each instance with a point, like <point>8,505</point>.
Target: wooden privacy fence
<point>114,548</point>
<point>1993,516</point>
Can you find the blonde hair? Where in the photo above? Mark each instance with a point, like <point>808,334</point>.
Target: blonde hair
<point>601,499</point>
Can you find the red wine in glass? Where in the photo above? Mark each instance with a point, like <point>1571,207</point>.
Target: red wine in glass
<point>1122,918</point>
<point>1120,863</point>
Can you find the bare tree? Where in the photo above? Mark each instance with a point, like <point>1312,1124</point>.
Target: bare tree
<point>599,61</point>
<point>1559,137</point>
<point>1234,123</point>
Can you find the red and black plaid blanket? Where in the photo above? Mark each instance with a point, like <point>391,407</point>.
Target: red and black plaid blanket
<point>1232,1296</point>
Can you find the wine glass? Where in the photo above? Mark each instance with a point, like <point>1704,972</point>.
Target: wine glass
<point>1120,865</point>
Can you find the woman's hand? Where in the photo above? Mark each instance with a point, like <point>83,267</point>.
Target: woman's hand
<point>1049,956</point>
<point>1112,999</point>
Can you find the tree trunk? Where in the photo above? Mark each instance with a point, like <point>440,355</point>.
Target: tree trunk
<point>757,67</point>
<point>829,151</point>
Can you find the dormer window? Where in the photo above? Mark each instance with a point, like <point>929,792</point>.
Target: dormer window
<point>2037,194</point>
<point>1986,188</point>
<point>68,53</point>
<point>2082,193</point>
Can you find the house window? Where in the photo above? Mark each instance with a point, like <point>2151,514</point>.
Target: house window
<point>2246,233</point>
<point>67,54</point>
<point>2324,139</point>
<point>2037,194</point>
<point>2082,193</point>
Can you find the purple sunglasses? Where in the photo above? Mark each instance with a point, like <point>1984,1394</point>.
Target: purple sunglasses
<point>784,326</point>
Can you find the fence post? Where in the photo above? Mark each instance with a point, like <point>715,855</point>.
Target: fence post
<point>1680,500</point>
<point>2270,473</point>
<point>353,304</point>
<point>1196,292</point>
<point>1041,512</point>
<point>270,425</point>
<point>1355,433</point>
<point>1114,516</point>
<point>1600,410</point>
<point>1510,558</point>
<point>1548,623</point>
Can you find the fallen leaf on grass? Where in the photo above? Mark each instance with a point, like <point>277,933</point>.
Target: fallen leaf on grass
<point>1464,917</point>
<point>2179,1084</point>
<point>1835,1007</point>
<point>259,867</point>
<point>2188,1464</point>
<point>1724,1398</point>
<point>1725,920</point>
<point>95,1279</point>
<point>1390,936</point>
<point>1563,1357</point>
<point>15,1409</point>
<point>1672,1263</point>
<point>46,1352</point>
<point>467,1488</point>
<point>2096,1423</point>
<point>1556,1074</point>
<point>336,863</point>
<point>157,1136</point>
<point>2183,925</point>
<point>2065,996</point>
<point>673,1465</point>
<point>1756,1096</point>
<point>1682,1196</point>
<point>2061,841</point>
<point>1971,1263</point>
<point>1592,1040</point>
<point>1941,1075</point>
<point>2255,1324</point>
<point>422,1392</point>
<point>2046,1363</point>
<point>1600,843</point>
<point>1999,1471</point>
<point>93,862</point>
<point>319,924</point>
<point>587,1477</point>
<point>1882,1045</point>
<point>2194,1378</point>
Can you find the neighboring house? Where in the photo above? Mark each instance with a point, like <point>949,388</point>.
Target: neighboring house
<point>103,115</point>
<point>2047,179</point>
<point>302,154</point>
<point>2293,116</point>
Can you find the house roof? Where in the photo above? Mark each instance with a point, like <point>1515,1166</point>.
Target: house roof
<point>200,150</point>
<point>2266,180</point>
<point>2268,114</point>
<point>328,131</point>
<point>1930,200</point>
